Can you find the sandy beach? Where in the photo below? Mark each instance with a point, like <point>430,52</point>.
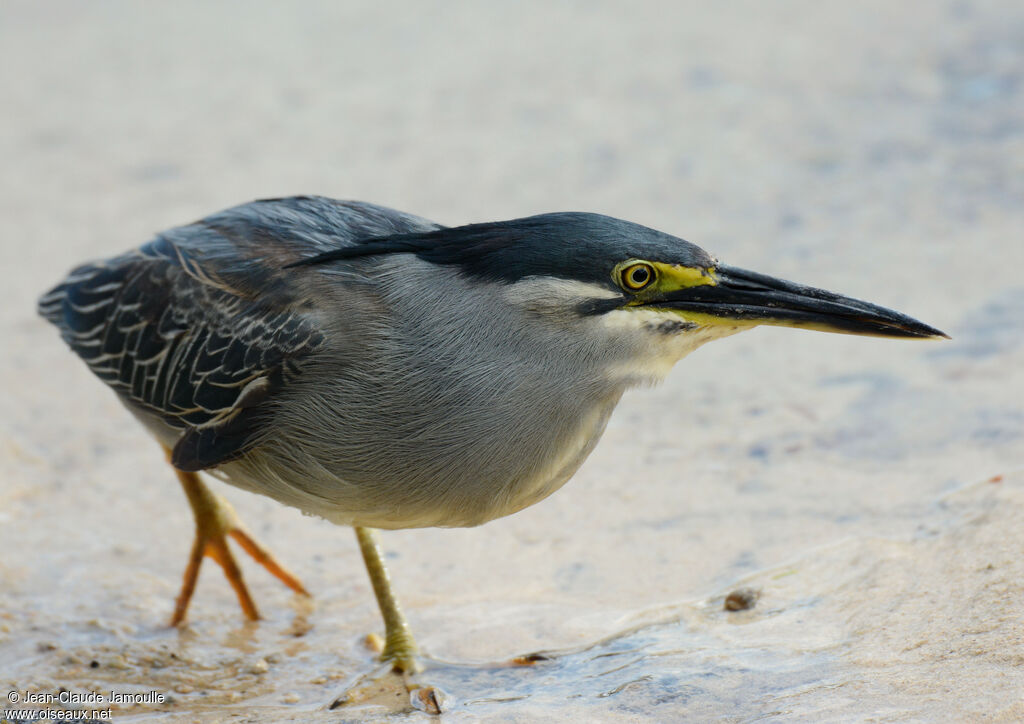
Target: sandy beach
<point>870,491</point>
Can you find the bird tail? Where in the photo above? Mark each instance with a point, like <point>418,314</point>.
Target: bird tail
<point>51,305</point>
<point>80,300</point>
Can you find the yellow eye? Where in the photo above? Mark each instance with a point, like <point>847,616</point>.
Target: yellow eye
<point>637,276</point>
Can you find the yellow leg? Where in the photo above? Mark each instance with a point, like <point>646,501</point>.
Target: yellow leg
<point>399,646</point>
<point>215,520</point>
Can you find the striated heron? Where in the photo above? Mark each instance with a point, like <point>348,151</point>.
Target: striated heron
<point>383,371</point>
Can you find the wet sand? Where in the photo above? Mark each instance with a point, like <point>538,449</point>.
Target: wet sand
<point>871,491</point>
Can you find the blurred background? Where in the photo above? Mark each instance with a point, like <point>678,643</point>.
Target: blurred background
<point>872,490</point>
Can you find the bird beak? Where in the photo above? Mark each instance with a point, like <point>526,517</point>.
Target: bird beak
<point>744,298</point>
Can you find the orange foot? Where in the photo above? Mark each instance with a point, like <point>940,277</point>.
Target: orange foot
<point>215,521</point>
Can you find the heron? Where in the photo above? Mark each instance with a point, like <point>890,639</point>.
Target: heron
<point>383,371</point>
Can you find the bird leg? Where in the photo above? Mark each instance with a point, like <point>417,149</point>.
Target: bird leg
<point>215,520</point>
<point>399,646</point>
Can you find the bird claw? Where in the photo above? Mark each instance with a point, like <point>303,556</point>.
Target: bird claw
<point>429,699</point>
<point>402,658</point>
<point>394,691</point>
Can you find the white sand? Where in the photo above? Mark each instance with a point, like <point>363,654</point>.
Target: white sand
<point>872,490</point>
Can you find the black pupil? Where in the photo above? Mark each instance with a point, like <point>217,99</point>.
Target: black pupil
<point>639,276</point>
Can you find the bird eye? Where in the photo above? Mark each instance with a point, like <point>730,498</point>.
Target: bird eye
<point>637,276</point>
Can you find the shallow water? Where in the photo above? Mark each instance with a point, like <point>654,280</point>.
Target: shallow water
<point>895,623</point>
<point>871,491</point>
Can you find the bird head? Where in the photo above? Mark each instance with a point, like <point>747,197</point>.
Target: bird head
<point>654,295</point>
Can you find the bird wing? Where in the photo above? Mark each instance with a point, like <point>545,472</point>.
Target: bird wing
<point>203,325</point>
<point>176,342</point>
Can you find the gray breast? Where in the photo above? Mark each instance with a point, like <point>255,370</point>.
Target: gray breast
<point>436,402</point>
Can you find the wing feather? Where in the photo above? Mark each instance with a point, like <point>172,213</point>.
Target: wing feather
<point>176,344</point>
<point>202,326</point>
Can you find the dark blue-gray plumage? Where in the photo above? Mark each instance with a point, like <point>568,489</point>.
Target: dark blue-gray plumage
<point>566,245</point>
<point>201,325</point>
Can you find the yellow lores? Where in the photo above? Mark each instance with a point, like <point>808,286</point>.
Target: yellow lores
<point>648,279</point>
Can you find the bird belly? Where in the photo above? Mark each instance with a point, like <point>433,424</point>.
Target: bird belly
<point>561,467</point>
<point>462,499</point>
